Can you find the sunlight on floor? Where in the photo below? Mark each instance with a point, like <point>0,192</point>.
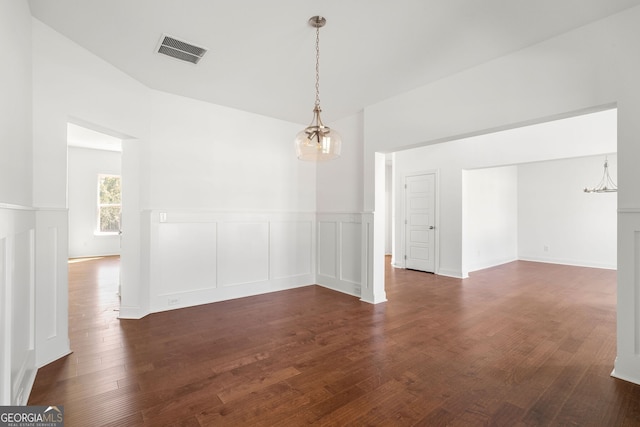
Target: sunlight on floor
<point>75,260</point>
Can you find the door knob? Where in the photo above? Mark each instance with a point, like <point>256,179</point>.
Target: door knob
<point>431,227</point>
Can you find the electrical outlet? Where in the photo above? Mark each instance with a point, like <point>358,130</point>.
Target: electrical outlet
<point>545,248</point>
<point>163,217</point>
<point>173,301</point>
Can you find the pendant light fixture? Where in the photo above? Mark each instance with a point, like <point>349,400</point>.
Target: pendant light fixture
<point>318,142</point>
<point>606,184</point>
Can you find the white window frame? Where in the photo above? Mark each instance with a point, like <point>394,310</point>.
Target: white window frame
<point>98,231</point>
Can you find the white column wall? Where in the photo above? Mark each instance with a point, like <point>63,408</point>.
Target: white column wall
<point>70,85</point>
<point>342,230</point>
<point>585,68</point>
<point>17,215</point>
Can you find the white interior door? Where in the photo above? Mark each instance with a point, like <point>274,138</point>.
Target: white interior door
<point>420,207</point>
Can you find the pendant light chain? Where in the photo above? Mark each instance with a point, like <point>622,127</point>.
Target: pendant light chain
<point>318,66</point>
<point>318,142</point>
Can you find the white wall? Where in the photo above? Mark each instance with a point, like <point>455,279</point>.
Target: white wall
<point>15,104</point>
<point>558,222</point>
<point>17,216</point>
<point>339,182</point>
<point>85,165</point>
<point>211,157</point>
<point>490,216</point>
<point>583,69</point>
<point>233,210</point>
<point>87,91</point>
<point>233,196</point>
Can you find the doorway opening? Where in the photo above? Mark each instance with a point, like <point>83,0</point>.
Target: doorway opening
<point>464,244</point>
<point>94,168</point>
<point>539,212</point>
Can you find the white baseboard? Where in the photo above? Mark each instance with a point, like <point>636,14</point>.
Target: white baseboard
<point>576,263</point>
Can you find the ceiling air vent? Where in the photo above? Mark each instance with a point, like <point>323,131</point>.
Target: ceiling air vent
<point>179,49</point>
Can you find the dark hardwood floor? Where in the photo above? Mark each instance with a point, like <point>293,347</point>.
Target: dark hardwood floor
<point>520,344</point>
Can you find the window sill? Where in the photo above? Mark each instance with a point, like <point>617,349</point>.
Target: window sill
<point>105,234</point>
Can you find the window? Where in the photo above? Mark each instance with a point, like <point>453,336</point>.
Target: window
<point>109,204</point>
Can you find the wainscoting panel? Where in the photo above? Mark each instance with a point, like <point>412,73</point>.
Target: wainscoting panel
<point>328,248</point>
<point>198,257</point>
<point>22,316</point>
<point>244,255</point>
<point>17,305</point>
<point>51,272</point>
<point>5,332</point>
<point>186,257</point>
<point>350,252</point>
<point>340,252</point>
<point>290,243</point>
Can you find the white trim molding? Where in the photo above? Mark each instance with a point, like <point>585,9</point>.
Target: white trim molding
<point>627,364</point>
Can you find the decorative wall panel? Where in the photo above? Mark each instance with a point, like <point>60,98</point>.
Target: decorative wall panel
<point>340,252</point>
<point>22,313</point>
<point>289,248</point>
<point>5,333</point>
<point>51,285</point>
<point>186,257</point>
<point>198,257</point>
<point>244,253</point>
<point>17,307</point>
<point>327,248</point>
<point>350,252</point>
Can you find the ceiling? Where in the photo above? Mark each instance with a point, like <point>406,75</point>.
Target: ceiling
<point>261,54</point>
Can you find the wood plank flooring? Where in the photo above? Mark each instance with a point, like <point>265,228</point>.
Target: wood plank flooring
<point>523,344</point>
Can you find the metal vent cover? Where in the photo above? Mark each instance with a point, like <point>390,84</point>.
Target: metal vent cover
<point>179,49</point>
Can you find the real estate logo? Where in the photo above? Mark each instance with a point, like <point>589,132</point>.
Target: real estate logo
<point>31,416</point>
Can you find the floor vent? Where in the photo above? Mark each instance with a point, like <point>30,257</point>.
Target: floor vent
<point>179,49</point>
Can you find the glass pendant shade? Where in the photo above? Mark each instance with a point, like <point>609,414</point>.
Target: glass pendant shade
<point>318,142</point>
